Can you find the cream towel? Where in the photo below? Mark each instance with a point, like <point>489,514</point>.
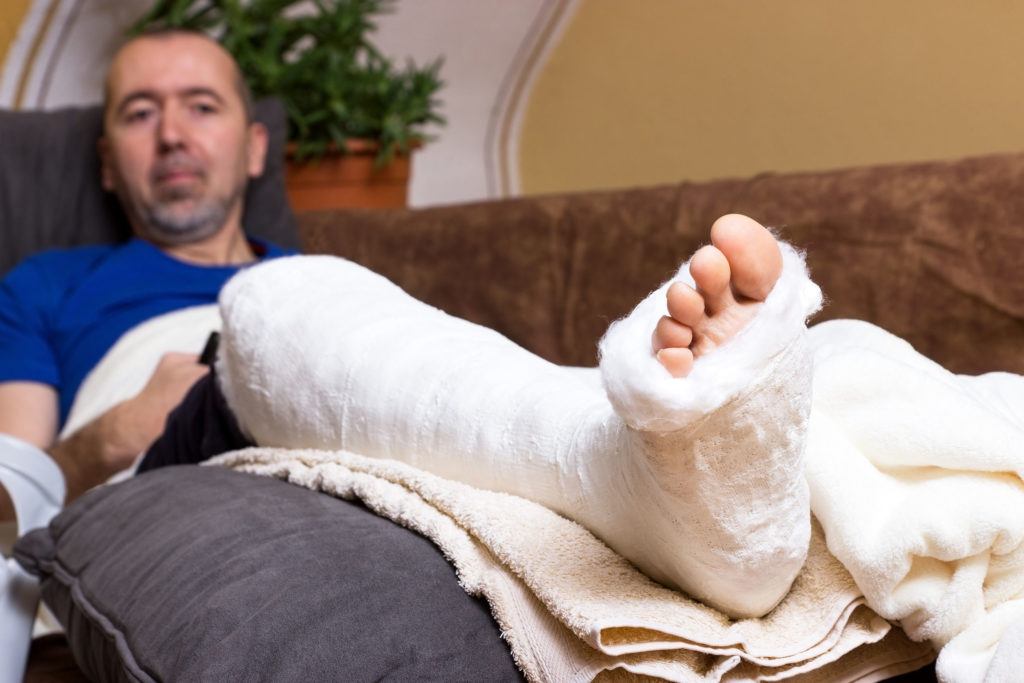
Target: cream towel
<point>916,478</point>
<point>570,608</point>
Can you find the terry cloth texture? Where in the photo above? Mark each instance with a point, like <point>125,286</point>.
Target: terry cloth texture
<point>696,481</point>
<point>916,477</point>
<point>570,608</point>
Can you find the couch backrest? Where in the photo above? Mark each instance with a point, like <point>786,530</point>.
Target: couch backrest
<point>929,251</point>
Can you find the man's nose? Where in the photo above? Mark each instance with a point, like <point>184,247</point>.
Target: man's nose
<point>170,131</point>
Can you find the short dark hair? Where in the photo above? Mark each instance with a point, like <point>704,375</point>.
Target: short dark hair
<point>241,86</point>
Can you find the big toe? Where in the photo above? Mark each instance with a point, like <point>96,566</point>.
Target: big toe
<point>755,261</point>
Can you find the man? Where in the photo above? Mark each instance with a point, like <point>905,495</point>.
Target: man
<point>178,148</point>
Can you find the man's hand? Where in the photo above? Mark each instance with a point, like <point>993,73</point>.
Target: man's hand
<point>132,425</point>
<point>108,444</point>
<point>111,442</point>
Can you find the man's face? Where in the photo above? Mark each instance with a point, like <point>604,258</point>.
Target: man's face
<point>177,148</point>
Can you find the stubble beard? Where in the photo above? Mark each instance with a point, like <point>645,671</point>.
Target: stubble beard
<point>180,215</point>
<point>168,222</point>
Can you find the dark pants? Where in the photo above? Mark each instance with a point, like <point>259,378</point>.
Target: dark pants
<point>201,427</point>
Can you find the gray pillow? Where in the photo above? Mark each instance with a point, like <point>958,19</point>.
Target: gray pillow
<point>50,192</point>
<point>198,573</point>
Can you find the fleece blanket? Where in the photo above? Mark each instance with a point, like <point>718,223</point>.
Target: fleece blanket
<point>916,477</point>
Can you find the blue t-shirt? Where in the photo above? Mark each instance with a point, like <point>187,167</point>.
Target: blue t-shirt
<point>62,310</point>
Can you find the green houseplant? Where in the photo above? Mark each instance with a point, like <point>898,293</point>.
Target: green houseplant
<point>342,95</point>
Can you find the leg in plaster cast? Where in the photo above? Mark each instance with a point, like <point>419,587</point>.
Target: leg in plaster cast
<point>697,480</point>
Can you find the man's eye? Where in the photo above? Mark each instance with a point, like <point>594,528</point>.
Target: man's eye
<point>137,115</point>
<point>203,108</point>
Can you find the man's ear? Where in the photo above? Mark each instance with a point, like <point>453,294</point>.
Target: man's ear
<point>257,149</point>
<point>106,164</point>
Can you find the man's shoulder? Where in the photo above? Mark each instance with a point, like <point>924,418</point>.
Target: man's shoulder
<point>65,261</point>
<point>56,266</point>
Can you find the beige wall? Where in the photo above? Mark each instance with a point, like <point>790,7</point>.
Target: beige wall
<point>660,90</point>
<point>12,14</point>
<point>553,95</point>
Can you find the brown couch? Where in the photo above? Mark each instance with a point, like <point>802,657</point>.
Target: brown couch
<point>928,251</point>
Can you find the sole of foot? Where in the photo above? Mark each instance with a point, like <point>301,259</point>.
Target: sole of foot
<point>734,274</point>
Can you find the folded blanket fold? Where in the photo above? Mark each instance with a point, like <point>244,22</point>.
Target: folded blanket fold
<point>916,477</point>
<point>571,608</point>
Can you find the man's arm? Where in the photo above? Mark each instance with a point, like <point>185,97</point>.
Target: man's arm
<point>28,410</point>
<point>108,444</point>
<point>111,442</point>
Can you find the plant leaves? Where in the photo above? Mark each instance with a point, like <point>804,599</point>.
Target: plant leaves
<point>317,57</point>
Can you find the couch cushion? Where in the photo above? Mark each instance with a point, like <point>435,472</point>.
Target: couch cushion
<point>199,573</point>
<point>50,192</point>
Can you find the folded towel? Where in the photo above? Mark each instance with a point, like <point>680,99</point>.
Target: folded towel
<point>571,608</point>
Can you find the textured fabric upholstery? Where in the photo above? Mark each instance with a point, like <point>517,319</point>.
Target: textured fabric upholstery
<point>929,251</point>
<point>213,575</point>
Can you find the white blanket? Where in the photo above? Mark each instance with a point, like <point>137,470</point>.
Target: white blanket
<point>916,476</point>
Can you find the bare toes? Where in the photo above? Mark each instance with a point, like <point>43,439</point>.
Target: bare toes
<point>685,304</point>
<point>670,333</point>
<point>678,362</point>
<point>752,253</point>
<point>710,270</point>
